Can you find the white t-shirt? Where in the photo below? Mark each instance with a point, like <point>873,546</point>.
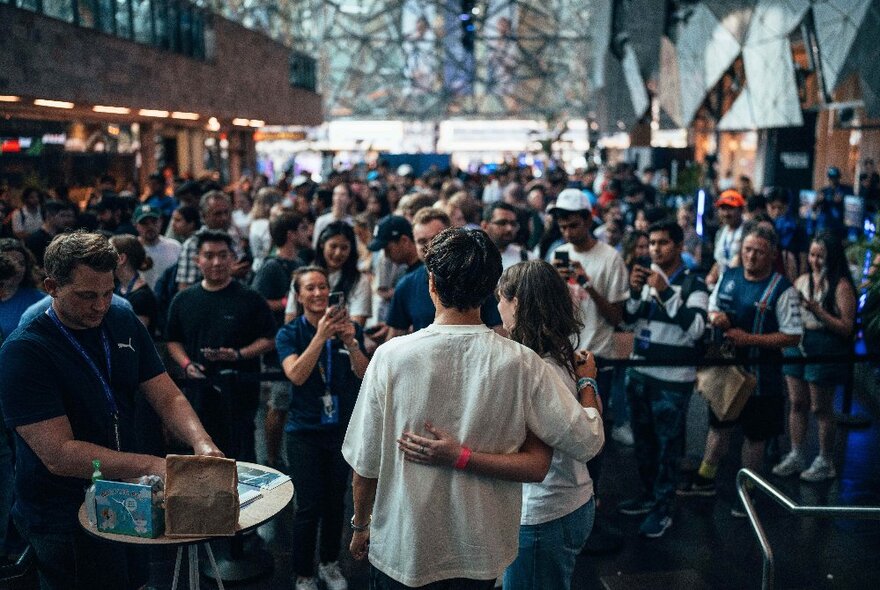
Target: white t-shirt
<point>727,245</point>
<point>607,272</point>
<point>568,485</point>
<point>359,300</point>
<point>164,254</point>
<point>25,221</point>
<point>434,523</point>
<point>260,242</point>
<point>514,254</point>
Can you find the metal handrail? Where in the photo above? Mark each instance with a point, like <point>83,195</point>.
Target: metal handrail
<point>746,475</point>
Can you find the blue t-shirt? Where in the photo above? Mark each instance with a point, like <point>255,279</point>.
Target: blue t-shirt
<point>306,403</point>
<point>411,304</point>
<point>42,376</point>
<point>40,307</point>
<point>12,310</point>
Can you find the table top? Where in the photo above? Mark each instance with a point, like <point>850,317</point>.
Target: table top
<point>251,516</point>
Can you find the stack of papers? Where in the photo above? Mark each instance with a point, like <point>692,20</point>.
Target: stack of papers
<point>253,481</point>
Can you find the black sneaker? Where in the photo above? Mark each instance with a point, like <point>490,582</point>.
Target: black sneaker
<point>698,486</point>
<point>636,506</point>
<point>657,522</point>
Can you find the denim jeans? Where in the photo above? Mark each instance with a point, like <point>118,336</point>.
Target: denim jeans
<point>659,413</point>
<point>78,561</point>
<point>380,581</point>
<point>547,551</point>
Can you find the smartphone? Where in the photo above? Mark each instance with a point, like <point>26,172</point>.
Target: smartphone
<point>644,261</point>
<point>561,259</point>
<point>337,300</point>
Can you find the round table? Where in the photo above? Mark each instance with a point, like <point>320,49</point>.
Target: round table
<point>255,514</point>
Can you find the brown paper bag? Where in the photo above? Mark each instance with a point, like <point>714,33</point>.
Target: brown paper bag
<point>201,496</point>
<point>727,389</point>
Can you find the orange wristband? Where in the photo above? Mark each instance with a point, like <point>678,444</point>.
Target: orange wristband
<point>463,458</point>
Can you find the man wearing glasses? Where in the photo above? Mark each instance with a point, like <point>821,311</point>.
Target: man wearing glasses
<point>499,221</point>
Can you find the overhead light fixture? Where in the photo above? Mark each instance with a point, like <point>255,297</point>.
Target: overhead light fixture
<point>111,110</point>
<point>8,98</point>
<point>256,123</point>
<point>54,104</point>
<point>152,113</point>
<point>185,116</point>
<point>213,124</point>
<point>241,122</point>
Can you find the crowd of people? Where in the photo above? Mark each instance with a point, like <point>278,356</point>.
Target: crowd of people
<point>431,328</point>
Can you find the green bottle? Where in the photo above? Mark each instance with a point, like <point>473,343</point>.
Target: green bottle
<point>91,509</point>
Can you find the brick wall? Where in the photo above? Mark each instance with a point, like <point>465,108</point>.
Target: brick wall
<point>246,76</point>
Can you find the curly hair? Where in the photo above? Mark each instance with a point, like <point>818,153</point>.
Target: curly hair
<point>545,317</point>
<point>30,264</point>
<point>465,265</point>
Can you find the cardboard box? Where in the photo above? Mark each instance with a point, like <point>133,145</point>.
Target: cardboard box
<point>127,509</point>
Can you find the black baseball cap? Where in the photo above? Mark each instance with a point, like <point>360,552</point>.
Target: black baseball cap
<point>390,229</point>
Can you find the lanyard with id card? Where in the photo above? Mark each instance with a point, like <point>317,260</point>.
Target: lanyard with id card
<point>112,408</point>
<point>329,402</point>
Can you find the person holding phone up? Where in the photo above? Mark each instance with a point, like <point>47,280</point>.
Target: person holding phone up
<point>322,353</point>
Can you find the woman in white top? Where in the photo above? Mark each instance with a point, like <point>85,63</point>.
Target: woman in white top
<point>29,217</point>
<point>337,252</point>
<point>557,513</point>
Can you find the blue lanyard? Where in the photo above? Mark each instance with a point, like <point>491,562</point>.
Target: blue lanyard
<point>671,280</point>
<point>727,244</point>
<point>130,285</point>
<point>326,372</point>
<point>105,385</point>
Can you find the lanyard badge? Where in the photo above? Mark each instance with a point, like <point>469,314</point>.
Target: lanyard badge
<point>112,408</point>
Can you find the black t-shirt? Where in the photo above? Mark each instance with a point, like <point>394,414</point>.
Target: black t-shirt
<point>232,317</point>
<point>272,281</point>
<point>42,376</point>
<point>143,302</point>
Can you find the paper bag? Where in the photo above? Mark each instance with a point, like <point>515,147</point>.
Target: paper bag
<point>201,496</point>
<point>727,389</point>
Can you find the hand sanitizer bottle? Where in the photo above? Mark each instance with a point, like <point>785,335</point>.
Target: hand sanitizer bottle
<point>91,511</point>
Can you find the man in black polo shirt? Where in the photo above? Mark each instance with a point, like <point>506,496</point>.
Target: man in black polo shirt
<point>219,324</point>
<point>69,384</point>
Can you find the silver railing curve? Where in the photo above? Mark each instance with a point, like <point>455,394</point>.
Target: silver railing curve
<point>747,475</point>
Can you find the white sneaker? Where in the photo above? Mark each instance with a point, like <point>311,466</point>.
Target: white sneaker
<point>306,584</point>
<point>792,463</point>
<point>820,470</point>
<point>331,575</point>
<point>623,434</point>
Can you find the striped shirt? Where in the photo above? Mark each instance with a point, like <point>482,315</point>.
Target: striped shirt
<point>668,325</point>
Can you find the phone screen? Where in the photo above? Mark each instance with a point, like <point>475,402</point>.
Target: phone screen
<point>337,299</point>
<point>561,258</point>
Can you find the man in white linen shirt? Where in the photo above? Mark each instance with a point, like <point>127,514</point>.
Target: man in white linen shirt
<point>452,528</point>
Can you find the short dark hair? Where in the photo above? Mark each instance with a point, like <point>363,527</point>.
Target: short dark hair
<point>67,251</point>
<point>489,211</point>
<point>213,236</point>
<point>286,222</point>
<point>778,195</point>
<point>190,214</point>
<point>754,228</point>
<point>756,203</point>
<point>671,227</point>
<point>52,208</point>
<point>466,266</point>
